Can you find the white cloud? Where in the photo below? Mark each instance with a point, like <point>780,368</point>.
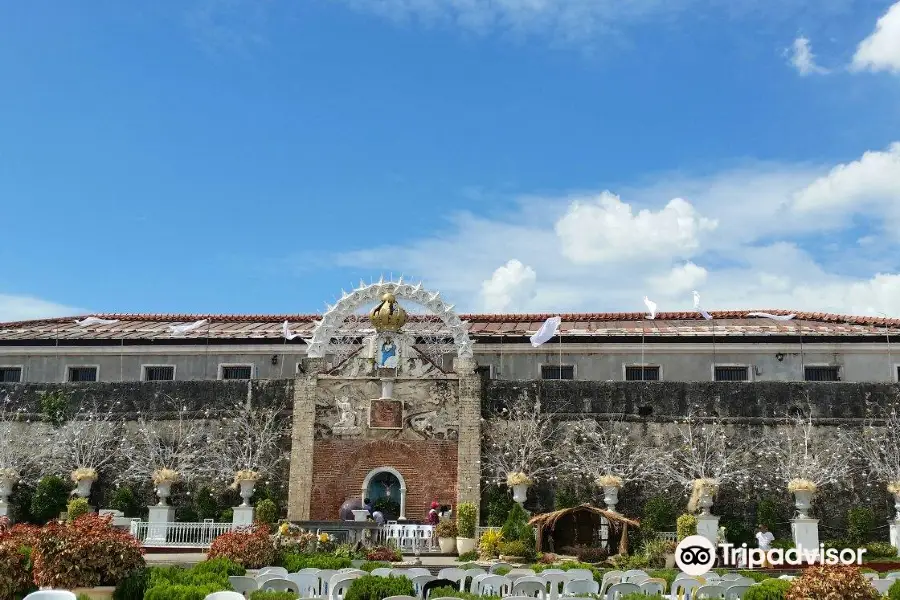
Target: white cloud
<point>605,229</point>
<point>22,308</point>
<point>510,288</point>
<point>756,258</point>
<point>803,59</point>
<point>881,50</point>
<point>873,179</point>
<point>680,280</point>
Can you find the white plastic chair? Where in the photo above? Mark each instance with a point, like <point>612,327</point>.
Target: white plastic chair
<point>262,579</point>
<point>308,585</point>
<point>475,586</point>
<point>581,574</point>
<point>871,576</point>
<point>419,582</point>
<point>736,592</point>
<point>452,573</point>
<point>495,585</point>
<point>532,587</point>
<point>709,591</point>
<point>582,586</point>
<point>339,585</point>
<point>470,574</point>
<point>653,587</point>
<point>686,584</point>
<point>417,571</point>
<point>892,575</point>
<point>739,581</point>
<point>280,585</point>
<point>517,573</point>
<point>54,595</point>
<point>638,579</point>
<point>325,576</point>
<point>621,589</point>
<point>280,571</point>
<point>731,576</point>
<point>632,573</point>
<point>882,585</point>
<point>229,595</point>
<point>556,581</point>
<point>309,571</point>
<point>243,584</point>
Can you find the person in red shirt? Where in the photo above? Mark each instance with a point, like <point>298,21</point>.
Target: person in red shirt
<point>433,516</point>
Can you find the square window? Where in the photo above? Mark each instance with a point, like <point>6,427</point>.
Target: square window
<point>732,373</point>
<point>237,372</point>
<point>10,374</point>
<point>557,372</point>
<point>82,374</point>
<point>822,373</point>
<point>641,373</point>
<point>159,373</point>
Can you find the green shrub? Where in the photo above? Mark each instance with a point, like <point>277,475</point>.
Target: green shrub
<point>186,514</point>
<point>371,565</point>
<point>175,583</point>
<point>49,499</point>
<point>737,532</point>
<point>516,527</point>
<point>770,589</point>
<point>76,508</point>
<point>880,550</point>
<point>124,501</point>
<point>783,544</point>
<point>82,597</point>
<point>261,595</point>
<point>860,523</point>
<point>370,587</point>
<point>467,557</point>
<point>133,586</point>
<point>660,514</point>
<point>294,561</point>
<point>266,512</point>
<point>686,525</point>
<point>756,576</point>
<point>466,516</point>
<point>768,513</point>
<point>227,516</point>
<point>499,503</point>
<point>220,566</point>
<point>168,591</point>
<point>514,548</point>
<point>894,591</point>
<point>205,504</point>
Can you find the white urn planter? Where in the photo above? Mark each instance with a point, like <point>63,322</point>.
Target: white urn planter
<point>164,490</point>
<point>6,488</point>
<point>706,502</point>
<point>611,497</point>
<point>803,501</point>
<point>247,486</point>
<point>83,487</point>
<point>448,545</point>
<point>464,545</point>
<point>520,492</point>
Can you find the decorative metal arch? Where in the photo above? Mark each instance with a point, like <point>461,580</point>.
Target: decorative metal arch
<point>326,329</point>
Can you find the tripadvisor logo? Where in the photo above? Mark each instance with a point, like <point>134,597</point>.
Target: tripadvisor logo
<point>696,555</point>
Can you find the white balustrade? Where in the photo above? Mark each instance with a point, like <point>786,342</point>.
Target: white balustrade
<point>178,535</point>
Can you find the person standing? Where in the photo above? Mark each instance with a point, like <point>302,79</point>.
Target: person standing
<point>433,516</point>
<point>764,539</point>
<point>367,505</point>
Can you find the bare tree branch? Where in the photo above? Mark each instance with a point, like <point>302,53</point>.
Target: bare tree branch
<point>605,452</point>
<point>519,442</point>
<point>249,441</point>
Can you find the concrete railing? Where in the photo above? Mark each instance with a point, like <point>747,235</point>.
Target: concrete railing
<point>178,535</point>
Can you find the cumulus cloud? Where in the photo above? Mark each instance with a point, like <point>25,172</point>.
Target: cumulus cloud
<point>872,179</point>
<point>510,288</point>
<point>803,59</point>
<point>605,229</point>
<point>22,308</point>
<point>756,257</point>
<point>680,280</point>
<point>881,50</point>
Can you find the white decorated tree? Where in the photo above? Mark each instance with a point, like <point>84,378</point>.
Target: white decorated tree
<point>702,457</point>
<point>85,445</point>
<point>519,445</point>
<point>247,446</point>
<point>604,452</point>
<point>879,447</point>
<point>19,450</point>
<point>168,450</point>
<point>803,459</point>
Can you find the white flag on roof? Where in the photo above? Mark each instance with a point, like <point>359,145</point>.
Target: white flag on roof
<point>698,308</point>
<point>651,306</point>
<point>95,321</point>
<point>286,332</point>
<point>179,330</point>
<point>547,331</point>
<point>766,315</point>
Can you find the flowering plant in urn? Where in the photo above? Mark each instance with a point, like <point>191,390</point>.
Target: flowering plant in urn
<point>519,445</point>
<point>804,460</point>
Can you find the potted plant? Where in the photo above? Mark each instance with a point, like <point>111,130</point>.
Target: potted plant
<point>245,480</point>
<point>702,495</point>
<point>804,491</point>
<point>163,480</point>
<point>446,534</point>
<point>84,478</point>
<point>611,485</point>
<point>466,518</point>
<point>519,482</point>
<point>514,551</point>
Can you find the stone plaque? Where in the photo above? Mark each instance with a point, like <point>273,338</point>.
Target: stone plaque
<point>386,414</point>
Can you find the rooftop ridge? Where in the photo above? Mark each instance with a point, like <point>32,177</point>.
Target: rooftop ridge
<point>473,317</point>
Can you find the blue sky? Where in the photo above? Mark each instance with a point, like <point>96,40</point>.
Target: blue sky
<point>257,156</point>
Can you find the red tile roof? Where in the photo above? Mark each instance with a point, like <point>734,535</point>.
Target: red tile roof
<point>484,326</point>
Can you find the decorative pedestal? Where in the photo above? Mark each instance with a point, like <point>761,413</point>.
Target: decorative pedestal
<point>4,509</point>
<point>242,516</point>
<point>806,533</point>
<point>708,527</point>
<point>159,518</point>
<point>894,525</point>
<point>611,497</point>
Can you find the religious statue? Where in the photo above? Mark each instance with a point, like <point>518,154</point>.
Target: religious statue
<point>347,422</point>
<point>389,359</point>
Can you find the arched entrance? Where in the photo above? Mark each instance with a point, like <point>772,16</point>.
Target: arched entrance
<point>386,488</point>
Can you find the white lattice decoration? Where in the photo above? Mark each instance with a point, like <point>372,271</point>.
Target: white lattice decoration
<point>330,334</point>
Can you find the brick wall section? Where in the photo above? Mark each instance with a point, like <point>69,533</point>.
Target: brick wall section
<point>302,434</point>
<point>340,466</point>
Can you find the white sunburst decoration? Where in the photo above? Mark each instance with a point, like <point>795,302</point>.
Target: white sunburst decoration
<point>328,328</point>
